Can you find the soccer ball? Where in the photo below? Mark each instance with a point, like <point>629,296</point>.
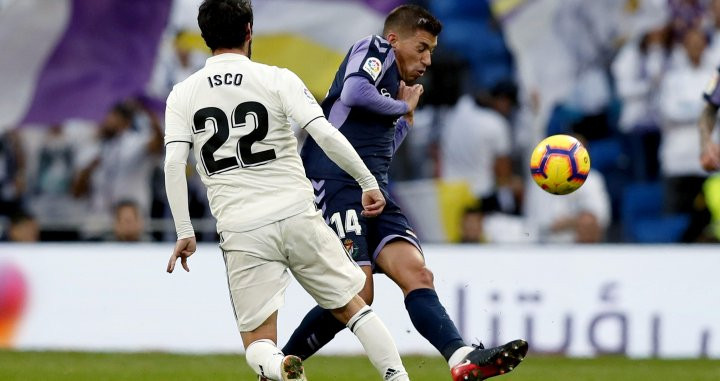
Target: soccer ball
<point>559,164</point>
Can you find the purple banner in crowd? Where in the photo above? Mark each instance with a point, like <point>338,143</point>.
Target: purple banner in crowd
<point>383,6</point>
<point>106,54</point>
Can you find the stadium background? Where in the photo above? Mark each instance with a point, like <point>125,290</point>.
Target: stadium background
<point>641,289</point>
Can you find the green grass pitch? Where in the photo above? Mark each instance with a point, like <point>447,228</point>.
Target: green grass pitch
<point>30,366</point>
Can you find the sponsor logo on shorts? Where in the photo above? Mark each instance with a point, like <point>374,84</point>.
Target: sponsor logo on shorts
<point>411,233</point>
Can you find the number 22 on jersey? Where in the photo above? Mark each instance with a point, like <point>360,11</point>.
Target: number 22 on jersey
<point>223,132</point>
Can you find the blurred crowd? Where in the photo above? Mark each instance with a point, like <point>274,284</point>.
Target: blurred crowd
<point>628,84</point>
<point>625,77</point>
<point>85,181</point>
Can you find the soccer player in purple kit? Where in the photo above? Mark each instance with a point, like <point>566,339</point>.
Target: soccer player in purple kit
<point>370,103</point>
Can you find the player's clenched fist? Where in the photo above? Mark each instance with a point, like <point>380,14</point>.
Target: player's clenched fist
<point>373,203</point>
<point>184,248</point>
<point>410,94</point>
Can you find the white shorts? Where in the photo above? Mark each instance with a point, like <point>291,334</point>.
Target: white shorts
<point>257,262</point>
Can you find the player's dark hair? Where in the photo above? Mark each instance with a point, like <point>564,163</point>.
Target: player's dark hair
<point>411,18</point>
<point>223,23</point>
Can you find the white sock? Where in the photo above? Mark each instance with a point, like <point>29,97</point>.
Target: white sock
<point>379,345</point>
<point>265,358</point>
<point>459,355</point>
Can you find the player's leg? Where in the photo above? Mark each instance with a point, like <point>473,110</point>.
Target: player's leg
<point>265,358</point>
<point>367,294</point>
<point>257,279</point>
<point>340,203</point>
<point>398,254</point>
<point>320,326</point>
<point>322,266</point>
<point>402,262</point>
<point>374,337</point>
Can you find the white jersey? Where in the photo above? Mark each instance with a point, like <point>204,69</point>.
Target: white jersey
<point>234,113</point>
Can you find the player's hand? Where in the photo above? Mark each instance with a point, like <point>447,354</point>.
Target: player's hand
<point>710,157</point>
<point>373,203</point>
<point>410,94</point>
<point>184,248</point>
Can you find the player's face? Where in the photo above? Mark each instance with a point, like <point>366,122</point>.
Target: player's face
<point>413,53</point>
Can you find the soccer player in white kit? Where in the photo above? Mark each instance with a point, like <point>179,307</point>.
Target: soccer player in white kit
<point>233,114</point>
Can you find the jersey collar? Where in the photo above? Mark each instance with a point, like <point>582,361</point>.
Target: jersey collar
<point>226,57</point>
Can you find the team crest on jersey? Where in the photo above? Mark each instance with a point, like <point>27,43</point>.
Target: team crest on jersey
<point>350,247</point>
<point>373,66</point>
<point>309,96</point>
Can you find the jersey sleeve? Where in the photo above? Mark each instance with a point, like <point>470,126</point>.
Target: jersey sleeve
<point>712,91</point>
<point>177,126</point>
<point>366,58</point>
<point>297,101</point>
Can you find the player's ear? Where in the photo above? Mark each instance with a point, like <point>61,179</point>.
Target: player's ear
<point>248,32</point>
<point>392,38</point>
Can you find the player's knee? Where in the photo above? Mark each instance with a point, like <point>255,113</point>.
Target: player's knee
<point>425,277</point>
<point>420,277</point>
<point>367,295</point>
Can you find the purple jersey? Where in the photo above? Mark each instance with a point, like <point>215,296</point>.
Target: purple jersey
<point>361,104</point>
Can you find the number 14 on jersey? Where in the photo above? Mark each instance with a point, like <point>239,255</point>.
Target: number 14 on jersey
<point>352,224</point>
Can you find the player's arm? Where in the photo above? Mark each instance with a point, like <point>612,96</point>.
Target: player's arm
<point>364,68</point>
<point>342,153</point>
<point>301,107</point>
<point>178,142</point>
<point>403,125</point>
<point>710,152</point>
<point>360,92</point>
